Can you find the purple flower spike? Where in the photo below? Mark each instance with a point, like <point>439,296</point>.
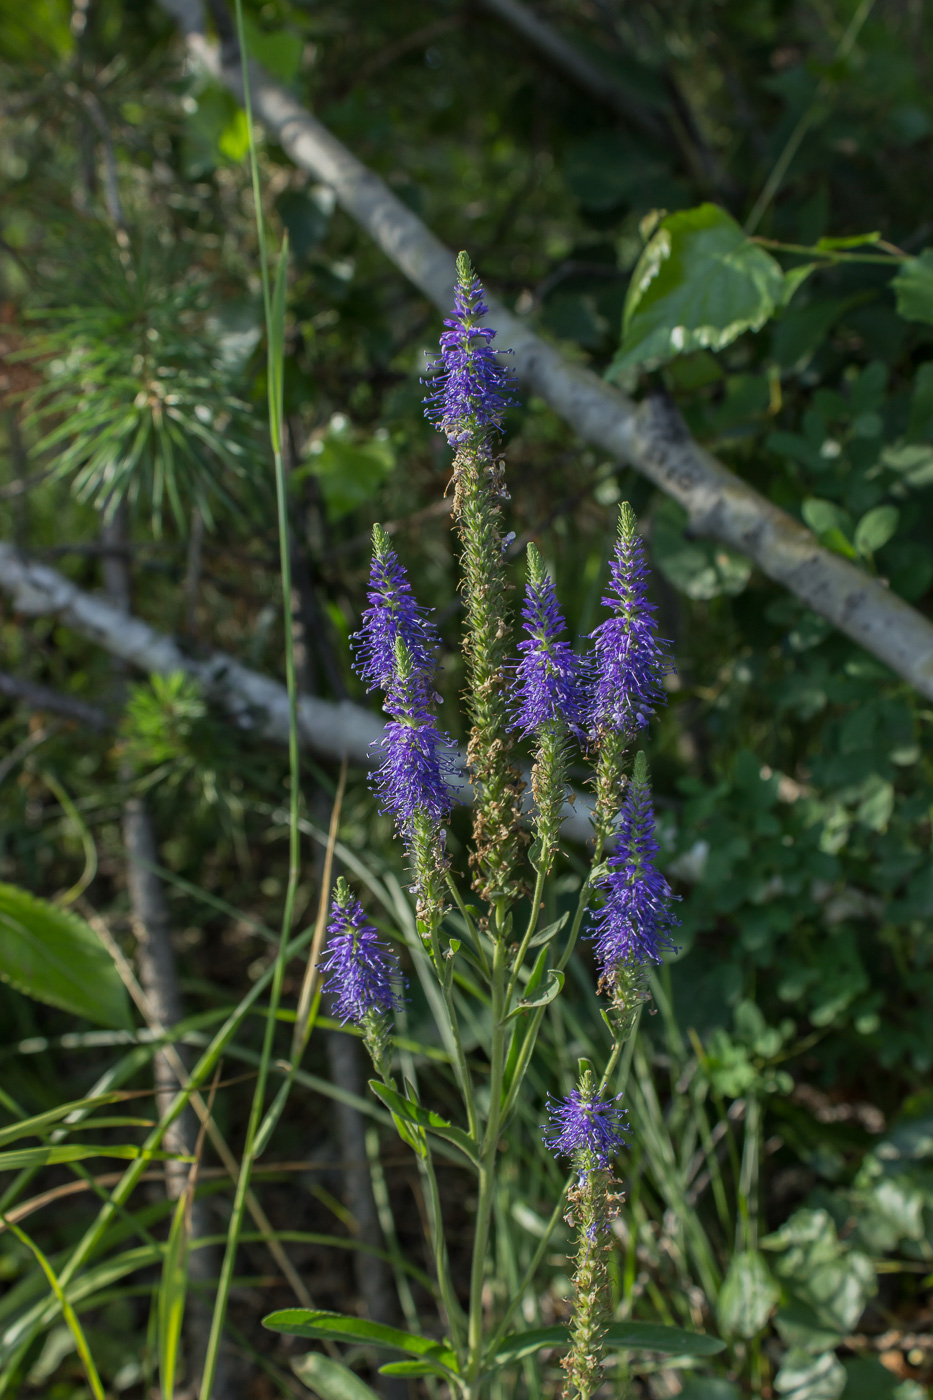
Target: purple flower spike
<point>393,614</point>
<point>628,659</point>
<point>363,973</point>
<point>632,926</point>
<point>470,388</point>
<point>548,678</point>
<point>411,780</point>
<point>585,1127</point>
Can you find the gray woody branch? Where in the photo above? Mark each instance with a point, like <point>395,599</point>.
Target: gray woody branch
<point>256,702</point>
<point>650,436</point>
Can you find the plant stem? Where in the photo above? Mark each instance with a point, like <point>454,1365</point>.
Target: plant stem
<point>487,1171</point>
<point>529,934</point>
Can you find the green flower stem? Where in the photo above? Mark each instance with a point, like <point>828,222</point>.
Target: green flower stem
<point>455,1318</point>
<point>471,926</point>
<point>445,977</point>
<point>529,934</point>
<point>487,1171</point>
<point>537,1015</point>
<point>274,316</point>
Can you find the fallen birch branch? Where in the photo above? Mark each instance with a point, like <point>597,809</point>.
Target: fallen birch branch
<point>333,729</point>
<point>650,436</point>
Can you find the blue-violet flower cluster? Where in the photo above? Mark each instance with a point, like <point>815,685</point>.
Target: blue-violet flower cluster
<point>631,928</point>
<point>586,1127</point>
<point>393,613</point>
<point>628,658</point>
<point>363,974</point>
<point>471,389</point>
<point>549,676</point>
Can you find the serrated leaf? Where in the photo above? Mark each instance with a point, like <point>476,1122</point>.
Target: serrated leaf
<point>53,956</point>
<point>331,1380</point>
<point>337,1327</point>
<point>424,1118</point>
<point>699,283</point>
<point>747,1296</point>
<point>913,288</point>
<point>620,1336</point>
<point>875,528</point>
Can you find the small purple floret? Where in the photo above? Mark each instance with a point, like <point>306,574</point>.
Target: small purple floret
<point>629,660</point>
<point>393,613</point>
<point>587,1128</point>
<point>549,677</point>
<point>470,388</point>
<point>417,759</point>
<point>363,974</point>
<point>632,926</point>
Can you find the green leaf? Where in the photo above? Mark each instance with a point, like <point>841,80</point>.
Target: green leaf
<point>424,1118</point>
<point>875,528</point>
<point>699,568</point>
<point>78,1152</point>
<point>336,1327</point>
<point>546,934</point>
<point>53,956</point>
<point>708,1388</point>
<point>29,1127</point>
<point>806,1377</point>
<point>553,990</point>
<point>621,1336</point>
<point>824,517</point>
<point>331,1379</point>
<point>854,241</point>
<point>913,462</point>
<point>413,1368</point>
<point>748,1295</point>
<point>173,1288</point>
<point>349,473</point>
<point>699,283</point>
<point>913,288</point>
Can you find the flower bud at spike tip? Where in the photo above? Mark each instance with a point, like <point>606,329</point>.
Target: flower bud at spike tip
<point>470,388</point>
<point>632,927</point>
<point>363,974</point>
<point>548,679</point>
<point>393,614</point>
<point>629,660</point>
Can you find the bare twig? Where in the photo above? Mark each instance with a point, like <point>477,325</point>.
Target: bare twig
<point>41,698</point>
<point>650,437</point>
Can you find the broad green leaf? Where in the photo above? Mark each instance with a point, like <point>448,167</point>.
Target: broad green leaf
<point>701,569</point>
<point>699,283</point>
<point>875,528</point>
<point>336,1327</point>
<point>349,473</point>
<point>806,1377</point>
<point>424,1118</point>
<point>913,461</point>
<point>413,1368</point>
<point>621,1336</point>
<point>748,1295</point>
<point>913,288</point>
<point>52,955</point>
<point>77,1152</point>
<point>708,1388</point>
<point>331,1380</point>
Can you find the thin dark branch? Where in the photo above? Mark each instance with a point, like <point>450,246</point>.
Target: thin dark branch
<point>42,698</point>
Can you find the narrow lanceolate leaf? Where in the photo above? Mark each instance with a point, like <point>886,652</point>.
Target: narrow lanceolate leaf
<point>30,1127</point>
<point>173,1288</point>
<point>331,1380</point>
<point>620,1336</point>
<point>336,1327</point>
<point>699,283</point>
<point>53,956</point>
<point>76,1152</point>
<point>424,1118</point>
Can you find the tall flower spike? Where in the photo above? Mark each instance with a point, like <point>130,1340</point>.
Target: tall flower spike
<point>393,613</point>
<point>548,702</point>
<point>416,762</point>
<point>548,679</point>
<point>629,659</point>
<point>362,973</point>
<point>591,1130</point>
<point>471,389</point>
<point>632,928</point>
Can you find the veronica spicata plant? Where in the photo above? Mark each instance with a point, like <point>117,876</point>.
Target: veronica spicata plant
<point>537,690</point>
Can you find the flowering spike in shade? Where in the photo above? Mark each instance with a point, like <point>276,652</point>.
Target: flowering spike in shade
<point>393,613</point>
<point>412,778</point>
<point>548,680</point>
<point>362,973</point>
<point>632,928</point>
<point>629,660</point>
<point>470,389</point>
<point>586,1127</point>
